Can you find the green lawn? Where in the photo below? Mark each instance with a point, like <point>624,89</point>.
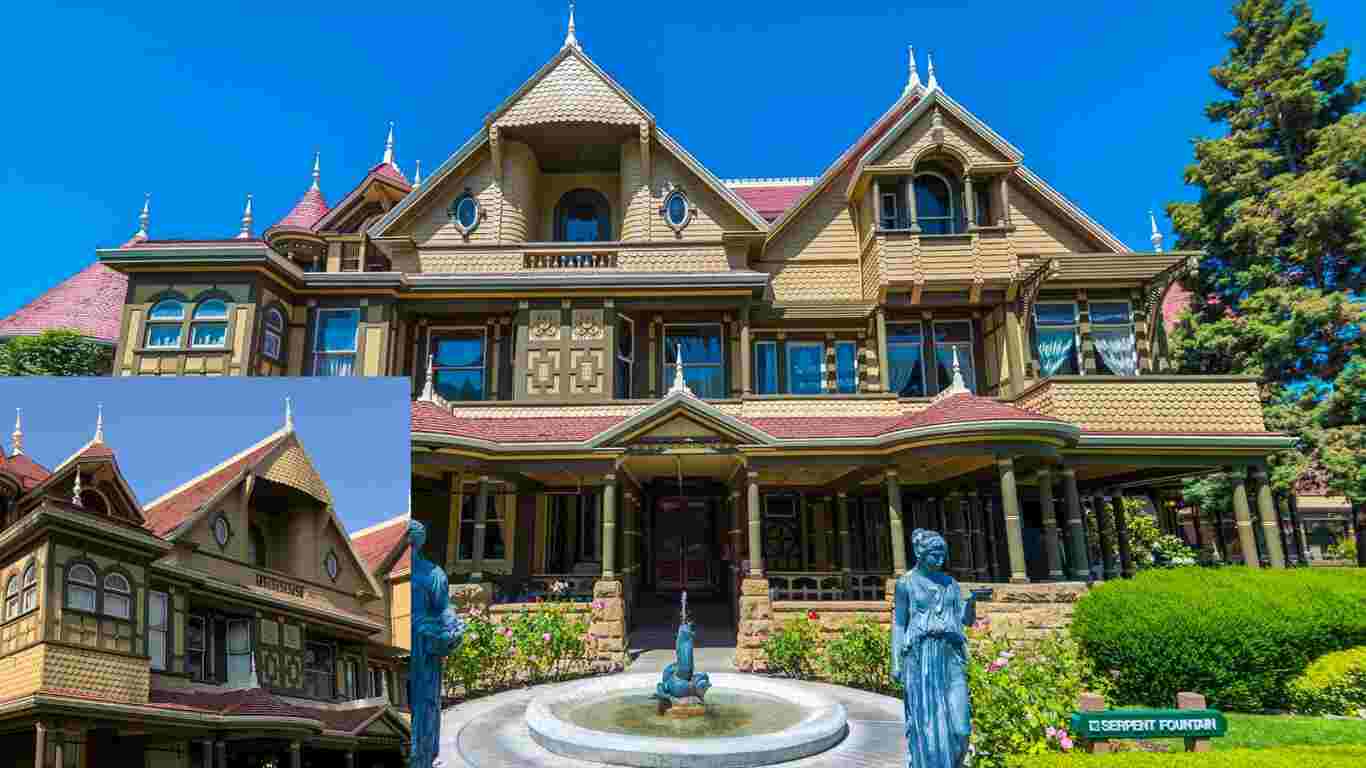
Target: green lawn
<point>1262,731</point>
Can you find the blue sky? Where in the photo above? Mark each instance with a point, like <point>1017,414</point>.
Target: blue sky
<point>167,431</point>
<point>200,105</point>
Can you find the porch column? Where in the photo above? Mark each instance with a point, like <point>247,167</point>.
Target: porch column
<point>1271,522</point>
<point>911,206</point>
<point>457,487</point>
<point>746,353</point>
<point>609,526</point>
<point>1076,526</point>
<point>481,511</point>
<point>1010,500</point>
<point>1247,539</point>
<point>1289,543</point>
<point>883,366</point>
<point>1050,524</point>
<point>969,202</point>
<point>736,534</point>
<point>1126,559</point>
<point>976,520</point>
<point>39,743</point>
<point>350,759</point>
<point>846,545</point>
<point>1110,568</point>
<point>1301,536</point>
<point>221,747</point>
<point>756,540</point>
<point>958,523</point>
<point>296,749</point>
<point>894,520</point>
<point>58,758</point>
<point>1014,353</point>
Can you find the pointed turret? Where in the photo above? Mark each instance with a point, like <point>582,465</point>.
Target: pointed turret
<point>18,435</point>
<point>570,40</point>
<point>389,147</point>
<point>99,423</point>
<point>245,232</point>
<point>312,206</point>
<point>933,81</point>
<point>144,219</point>
<point>1155,237</point>
<point>913,81</point>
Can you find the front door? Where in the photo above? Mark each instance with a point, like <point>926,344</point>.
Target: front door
<point>683,537</point>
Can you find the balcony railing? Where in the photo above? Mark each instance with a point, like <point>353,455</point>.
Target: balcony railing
<point>826,585</point>
<point>558,259</point>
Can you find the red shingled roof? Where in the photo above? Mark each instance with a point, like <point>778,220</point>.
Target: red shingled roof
<point>168,512</point>
<point>427,417</point>
<point>89,302</point>
<point>964,408</point>
<point>771,202</point>
<point>27,471</point>
<point>391,172</point>
<point>377,542</point>
<point>259,702</point>
<point>307,212</point>
<point>796,427</point>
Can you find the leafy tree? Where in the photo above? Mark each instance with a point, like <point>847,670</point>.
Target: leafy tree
<point>1282,222</point>
<point>54,353</point>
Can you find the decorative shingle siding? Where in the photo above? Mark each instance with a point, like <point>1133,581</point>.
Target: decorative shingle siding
<point>571,92</point>
<point>1150,404</point>
<point>89,672</point>
<point>956,135</point>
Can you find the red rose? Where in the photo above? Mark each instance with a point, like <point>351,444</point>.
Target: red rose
<point>812,615</point>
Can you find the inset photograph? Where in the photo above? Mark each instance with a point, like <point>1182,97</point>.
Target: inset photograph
<point>205,573</point>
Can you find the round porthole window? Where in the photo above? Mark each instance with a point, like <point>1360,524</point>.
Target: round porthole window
<point>331,565</point>
<point>465,213</point>
<point>221,531</point>
<point>677,209</point>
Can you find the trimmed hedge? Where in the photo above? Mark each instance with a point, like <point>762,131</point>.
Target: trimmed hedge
<point>1280,757</point>
<point>1237,635</point>
<point>1334,684</point>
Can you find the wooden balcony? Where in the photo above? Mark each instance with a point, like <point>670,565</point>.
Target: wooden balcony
<point>975,256</point>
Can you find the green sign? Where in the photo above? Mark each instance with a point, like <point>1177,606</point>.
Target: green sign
<point>1149,724</point>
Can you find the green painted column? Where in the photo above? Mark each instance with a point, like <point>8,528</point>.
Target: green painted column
<point>894,517</point>
<point>1247,539</point>
<point>1050,524</point>
<point>1271,519</point>
<point>1010,499</point>
<point>1126,557</point>
<point>1076,526</point>
<point>846,544</point>
<point>609,527</point>
<point>756,540</point>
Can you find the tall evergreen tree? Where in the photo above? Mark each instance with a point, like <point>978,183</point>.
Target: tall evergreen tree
<point>1282,222</point>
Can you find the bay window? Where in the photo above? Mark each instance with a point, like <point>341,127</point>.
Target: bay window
<point>12,598</point>
<point>1112,331</point>
<point>905,359</point>
<point>118,597</point>
<point>80,587</point>
<point>935,207</point>
<point>1057,339</point>
<point>952,336</point>
<point>703,364</point>
<point>458,363</point>
<point>334,342</point>
<point>30,588</point>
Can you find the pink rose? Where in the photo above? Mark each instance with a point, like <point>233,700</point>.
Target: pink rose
<point>1051,731</point>
<point>995,666</point>
<point>1065,742</point>
<point>546,637</point>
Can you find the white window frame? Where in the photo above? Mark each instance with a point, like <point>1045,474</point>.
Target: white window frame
<point>278,334</point>
<point>845,343</point>
<point>437,330</point>
<point>12,597</point>
<point>161,630</point>
<point>93,585</point>
<point>123,595</point>
<point>971,344</point>
<point>1076,332</point>
<point>1133,335</point>
<point>630,361</point>
<point>196,320</point>
<point>667,372</point>
<point>494,514</point>
<point>29,590</point>
<point>178,322</point>
<point>777,374</point>
<point>882,207</point>
<point>788,346</point>
<point>953,209</point>
<point>316,354</point>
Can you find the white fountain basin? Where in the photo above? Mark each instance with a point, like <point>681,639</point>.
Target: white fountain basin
<point>812,723</point>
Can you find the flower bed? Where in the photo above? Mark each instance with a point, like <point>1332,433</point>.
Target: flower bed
<point>1281,757</point>
<point>519,644</point>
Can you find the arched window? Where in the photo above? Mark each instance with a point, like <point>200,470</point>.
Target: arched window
<point>163,323</point>
<point>30,588</point>
<point>80,587</point>
<point>93,501</point>
<point>935,205</point>
<point>118,598</point>
<point>12,598</point>
<point>272,339</point>
<point>256,547</point>
<point>210,326</point>
<point>583,216</point>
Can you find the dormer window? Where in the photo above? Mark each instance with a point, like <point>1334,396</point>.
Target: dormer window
<point>163,324</point>
<point>210,325</point>
<point>936,211</point>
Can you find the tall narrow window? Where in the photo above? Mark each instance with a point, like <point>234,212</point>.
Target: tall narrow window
<point>495,530</point>
<point>805,369</point>
<point>626,356</point>
<point>349,680</point>
<point>256,546</point>
<point>559,510</point>
<point>458,363</point>
<point>906,359</point>
<point>377,681</point>
<point>80,588</point>
<point>320,680</point>
<point>30,588</point>
<point>846,367</point>
<point>239,651</point>
<point>209,326</point>
<point>766,367</point>
<point>1112,331</point>
<point>982,201</point>
<point>163,324</point>
<point>951,336</point>
<point>703,368</point>
<point>1056,337</point>
<point>12,598</point>
<point>468,502</point>
<point>197,643</point>
<point>890,217</point>
<point>158,624</point>
<point>272,337</point>
<point>583,216</point>
<point>118,598</point>
<point>334,342</point>
<point>589,529</point>
<point>934,204</point>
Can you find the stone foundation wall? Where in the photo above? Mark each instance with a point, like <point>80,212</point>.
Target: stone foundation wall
<point>1028,611</point>
<point>756,614</point>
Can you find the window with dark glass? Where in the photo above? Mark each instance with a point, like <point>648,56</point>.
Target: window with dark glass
<point>12,598</point>
<point>1112,332</point>
<point>766,368</point>
<point>209,325</point>
<point>589,528</point>
<point>703,366</point>
<point>118,597</point>
<point>782,531</point>
<point>805,369</point>
<point>559,512</point>
<point>256,546</point>
<point>890,211</point>
<point>350,679</point>
<point>377,678</point>
<point>464,212</point>
<point>163,323</point>
<point>334,342</point>
<point>982,202</point>
<point>934,204</point>
<point>458,363</point>
<point>676,209</point>
<point>846,367</point>
<point>495,547</point>
<point>272,337</point>
<point>198,642</point>
<point>626,357</point>
<point>952,336</point>
<point>906,359</point>
<point>158,627</point>
<point>583,216</point>
<point>80,587</point>
<point>1057,341</point>
<point>319,672</point>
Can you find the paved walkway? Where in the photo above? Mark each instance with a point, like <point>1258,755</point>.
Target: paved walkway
<point>492,732</point>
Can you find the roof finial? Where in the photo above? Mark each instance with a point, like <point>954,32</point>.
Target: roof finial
<point>389,146</point>
<point>417,175</point>
<point>76,489</point>
<point>933,81</point>
<point>427,389</point>
<point>913,81</point>
<point>289,414</point>
<point>18,434</point>
<point>99,423</point>
<point>144,217</point>
<point>680,385</point>
<point>957,386</point>
<point>317,168</point>
<point>1155,237</point>
<point>569,38</point>
<point>246,221</point>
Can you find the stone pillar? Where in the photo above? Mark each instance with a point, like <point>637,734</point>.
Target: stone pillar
<point>1050,524</point>
<point>894,523</point>
<point>1107,557</point>
<point>756,536</point>
<point>846,544</point>
<point>296,754</point>
<point>608,631</point>
<point>609,527</point>
<point>39,743</point>
<point>1010,500</point>
<point>977,529</point>
<point>1247,539</point>
<point>481,511</point>
<point>756,615</point>
<point>1271,523</point>
<point>1076,526</point>
<point>1126,559</point>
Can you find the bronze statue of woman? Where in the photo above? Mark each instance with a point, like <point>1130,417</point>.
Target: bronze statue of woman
<point>437,632</point>
<point>930,657</point>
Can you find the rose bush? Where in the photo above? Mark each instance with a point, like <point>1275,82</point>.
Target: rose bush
<point>525,647</point>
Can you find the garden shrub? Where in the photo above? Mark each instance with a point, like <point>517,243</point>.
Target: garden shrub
<point>1236,635</point>
<point>1342,550</point>
<point>527,647</point>
<point>860,656</point>
<point>793,648</point>
<point>1279,757</point>
<point>1334,684</point>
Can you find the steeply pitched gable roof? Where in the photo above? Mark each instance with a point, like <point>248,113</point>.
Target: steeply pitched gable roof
<point>376,546</point>
<point>167,513</point>
<point>89,302</point>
